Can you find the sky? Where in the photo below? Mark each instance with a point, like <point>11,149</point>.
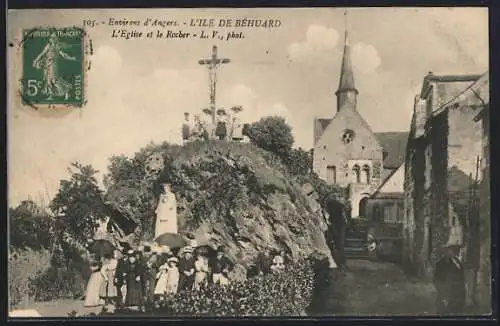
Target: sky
<point>137,90</point>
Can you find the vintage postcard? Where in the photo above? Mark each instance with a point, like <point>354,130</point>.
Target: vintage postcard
<point>248,162</point>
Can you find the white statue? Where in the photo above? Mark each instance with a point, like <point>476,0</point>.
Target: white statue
<point>166,212</point>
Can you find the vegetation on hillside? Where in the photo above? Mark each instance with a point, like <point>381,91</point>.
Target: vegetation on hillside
<point>246,196</point>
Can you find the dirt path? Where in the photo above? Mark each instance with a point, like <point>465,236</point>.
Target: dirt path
<point>61,308</point>
<point>378,289</point>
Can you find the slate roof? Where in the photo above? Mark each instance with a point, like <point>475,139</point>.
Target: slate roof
<point>394,143</point>
<point>346,82</point>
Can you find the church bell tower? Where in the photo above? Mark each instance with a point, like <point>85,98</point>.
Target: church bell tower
<point>347,92</point>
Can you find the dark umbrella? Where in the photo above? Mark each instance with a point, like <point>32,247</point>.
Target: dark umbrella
<point>206,251</point>
<point>102,248</point>
<point>171,240</point>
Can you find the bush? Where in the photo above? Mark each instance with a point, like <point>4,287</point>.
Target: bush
<point>65,278</point>
<point>29,226</point>
<point>25,266</point>
<point>272,134</point>
<point>285,294</point>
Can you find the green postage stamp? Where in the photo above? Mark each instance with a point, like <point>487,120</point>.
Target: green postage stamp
<point>53,67</point>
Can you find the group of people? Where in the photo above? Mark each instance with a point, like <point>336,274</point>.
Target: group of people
<point>144,277</point>
<point>269,262</point>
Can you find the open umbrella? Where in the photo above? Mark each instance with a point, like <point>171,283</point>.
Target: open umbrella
<point>171,240</point>
<point>206,251</point>
<point>101,248</point>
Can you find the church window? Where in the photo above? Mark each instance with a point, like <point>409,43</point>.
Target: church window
<point>331,174</point>
<point>347,136</point>
<point>324,147</point>
<point>366,174</point>
<point>356,174</point>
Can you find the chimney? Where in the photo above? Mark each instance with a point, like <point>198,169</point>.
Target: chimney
<point>420,112</point>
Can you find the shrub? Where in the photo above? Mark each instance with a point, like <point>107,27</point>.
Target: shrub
<point>29,226</point>
<point>65,278</point>
<point>285,294</point>
<point>25,266</point>
<point>272,134</point>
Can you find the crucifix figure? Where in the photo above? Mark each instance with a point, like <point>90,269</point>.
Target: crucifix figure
<point>213,63</point>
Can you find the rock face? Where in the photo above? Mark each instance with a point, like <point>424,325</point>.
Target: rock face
<point>235,195</point>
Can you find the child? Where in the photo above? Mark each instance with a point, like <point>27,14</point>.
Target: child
<point>172,283</point>
<point>161,282</point>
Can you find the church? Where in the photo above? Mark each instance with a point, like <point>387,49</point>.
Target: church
<point>348,153</point>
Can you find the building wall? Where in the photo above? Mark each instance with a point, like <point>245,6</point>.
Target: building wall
<point>388,209</point>
<point>437,172</point>
<point>331,151</point>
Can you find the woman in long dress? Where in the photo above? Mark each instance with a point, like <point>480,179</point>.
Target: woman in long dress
<point>92,298</point>
<point>47,61</point>
<point>135,282</point>
<point>108,289</point>
<point>201,272</point>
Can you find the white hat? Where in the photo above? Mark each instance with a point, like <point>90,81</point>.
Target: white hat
<point>174,259</point>
<point>164,249</point>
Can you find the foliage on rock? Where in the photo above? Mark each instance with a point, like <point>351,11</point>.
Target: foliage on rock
<point>232,194</point>
<point>273,134</point>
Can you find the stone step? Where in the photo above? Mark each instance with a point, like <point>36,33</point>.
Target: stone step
<point>355,249</point>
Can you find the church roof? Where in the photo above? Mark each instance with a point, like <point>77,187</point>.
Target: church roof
<point>346,73</point>
<point>394,144</point>
<point>324,122</point>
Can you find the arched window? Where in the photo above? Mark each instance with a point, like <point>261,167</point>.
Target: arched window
<point>356,174</point>
<point>366,174</point>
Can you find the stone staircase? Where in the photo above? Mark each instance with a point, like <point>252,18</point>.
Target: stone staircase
<point>355,245</point>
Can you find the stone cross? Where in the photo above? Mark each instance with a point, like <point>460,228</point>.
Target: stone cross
<point>213,63</point>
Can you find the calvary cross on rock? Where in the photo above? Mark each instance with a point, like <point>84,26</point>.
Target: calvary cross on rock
<point>213,63</point>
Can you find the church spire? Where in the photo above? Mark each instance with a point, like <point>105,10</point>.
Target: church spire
<point>346,93</point>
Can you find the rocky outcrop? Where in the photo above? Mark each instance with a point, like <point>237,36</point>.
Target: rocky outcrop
<point>235,195</point>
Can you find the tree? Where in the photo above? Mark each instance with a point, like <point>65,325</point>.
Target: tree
<point>272,134</point>
<point>79,203</point>
<point>29,226</point>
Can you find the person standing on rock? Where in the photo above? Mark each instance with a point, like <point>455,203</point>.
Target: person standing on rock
<point>186,269</point>
<point>166,212</point>
<point>449,280</point>
<point>221,267</point>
